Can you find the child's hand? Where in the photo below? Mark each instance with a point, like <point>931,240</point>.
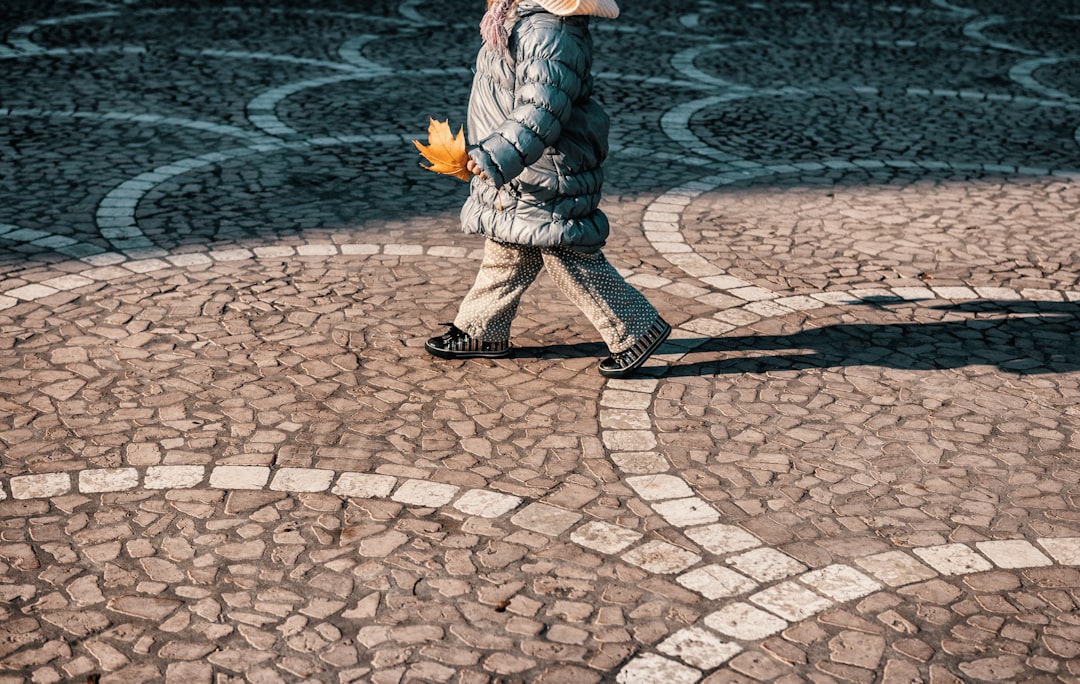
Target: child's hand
<point>475,169</point>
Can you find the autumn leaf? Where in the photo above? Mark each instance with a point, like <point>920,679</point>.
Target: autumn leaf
<point>445,151</point>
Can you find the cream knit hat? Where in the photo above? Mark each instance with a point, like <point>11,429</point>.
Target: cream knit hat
<point>596,8</point>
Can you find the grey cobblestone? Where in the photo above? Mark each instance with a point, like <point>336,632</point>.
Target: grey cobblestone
<point>224,456</point>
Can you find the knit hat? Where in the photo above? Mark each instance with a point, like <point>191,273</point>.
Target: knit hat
<point>596,8</point>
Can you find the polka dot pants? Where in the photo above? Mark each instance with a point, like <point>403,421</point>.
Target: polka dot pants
<point>619,312</point>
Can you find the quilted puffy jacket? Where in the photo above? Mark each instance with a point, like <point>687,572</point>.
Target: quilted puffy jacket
<point>539,137</point>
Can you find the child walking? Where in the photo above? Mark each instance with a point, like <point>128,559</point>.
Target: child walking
<point>537,142</point>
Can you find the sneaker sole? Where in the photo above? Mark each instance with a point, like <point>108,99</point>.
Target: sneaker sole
<point>444,354</point>
<point>649,351</point>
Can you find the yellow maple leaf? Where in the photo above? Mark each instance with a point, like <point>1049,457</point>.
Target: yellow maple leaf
<point>445,151</point>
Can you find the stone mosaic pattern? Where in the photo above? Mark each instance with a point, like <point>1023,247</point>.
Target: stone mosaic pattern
<point>224,456</point>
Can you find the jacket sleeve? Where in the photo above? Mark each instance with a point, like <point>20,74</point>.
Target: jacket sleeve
<point>548,73</point>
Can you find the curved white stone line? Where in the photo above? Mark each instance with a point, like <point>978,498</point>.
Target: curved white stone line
<point>262,110</point>
<point>675,122</point>
<point>270,57</point>
<point>253,137</point>
<point>1024,74</point>
<point>662,218</point>
<point>955,9</point>
<point>975,31</point>
<point>350,53</point>
<point>683,62</point>
<point>20,36</point>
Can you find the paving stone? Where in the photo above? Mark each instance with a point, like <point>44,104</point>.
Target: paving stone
<point>953,559</point>
<point>699,648</point>
<point>895,568</point>
<point>239,477</point>
<point>661,558</point>
<point>745,622</point>
<point>723,539</point>
<point>364,486</point>
<point>301,480</point>
<point>766,564</point>
<point>653,668</point>
<point>790,601</point>
<point>604,537</point>
<point>545,519</point>
<point>716,581</point>
<point>840,582</point>
<point>486,504</point>
<point>1013,553</point>
<point>421,493</point>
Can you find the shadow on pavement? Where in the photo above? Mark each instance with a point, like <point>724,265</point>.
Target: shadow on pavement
<point>1021,337</point>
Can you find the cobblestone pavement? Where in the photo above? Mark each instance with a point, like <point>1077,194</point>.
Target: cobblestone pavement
<point>227,458</point>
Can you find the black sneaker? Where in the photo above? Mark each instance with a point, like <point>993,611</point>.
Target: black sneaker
<point>626,362</point>
<point>457,344</point>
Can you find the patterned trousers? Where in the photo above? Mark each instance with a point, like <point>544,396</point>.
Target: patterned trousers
<point>619,312</point>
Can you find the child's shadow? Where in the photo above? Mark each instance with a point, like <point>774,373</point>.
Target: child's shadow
<point>1020,337</point>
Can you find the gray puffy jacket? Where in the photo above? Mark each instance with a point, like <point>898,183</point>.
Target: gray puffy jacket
<point>539,137</point>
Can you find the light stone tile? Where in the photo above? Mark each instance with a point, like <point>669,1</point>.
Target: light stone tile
<point>425,493</point>
<point>629,440</point>
<point>364,485</point>
<point>999,293</point>
<point>686,512</point>
<point>767,309</point>
<point>1065,550</point>
<point>444,251</point>
<point>39,486</point>
<point>173,477</point>
<point>231,254</point>
<point>661,558</point>
<point>725,282</point>
<point>766,564</point>
<point>840,582</point>
<point>745,622</point>
<point>146,265</point>
<point>545,519</point>
<point>658,487</point>
<point>360,249</point>
<point>239,477</point>
<point>1039,295</point>
<point>699,647</point>
<point>1013,553</point>
<point>955,292</point>
<point>752,294</point>
<point>723,539</point>
<point>914,293</point>
<point>68,282</point>
<point>107,273</point>
<point>108,480</point>
<point>274,251</point>
<point>184,260</point>
<point>604,537</point>
<point>953,559</point>
<point>32,292</point>
<point>737,317</point>
<point>640,462</point>
<point>641,386</point>
<point>7,302</point>
<point>625,399</point>
<point>624,419</point>
<point>896,568</point>
<point>403,250</point>
<point>790,601</point>
<point>647,281</point>
<point>3,494</point>
<point>800,303</point>
<point>715,582</point>
<point>104,259</point>
<point>708,328</point>
<point>318,249</point>
<point>302,480</point>
<point>651,669</point>
<point>486,504</point>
